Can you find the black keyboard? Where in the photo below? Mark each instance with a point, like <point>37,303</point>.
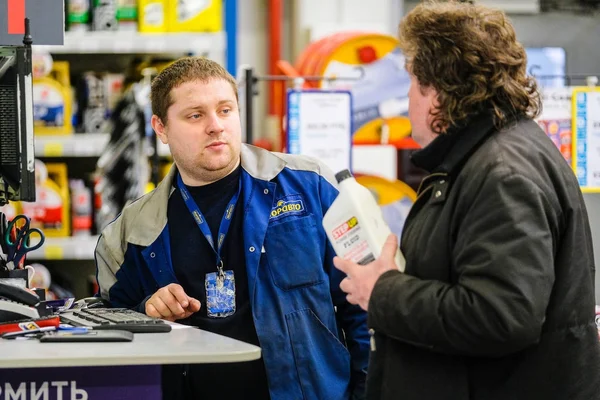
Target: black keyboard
<point>114,319</point>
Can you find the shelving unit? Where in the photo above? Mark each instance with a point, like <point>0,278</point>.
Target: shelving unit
<point>75,145</point>
<point>92,145</point>
<point>78,145</point>
<point>66,248</point>
<point>86,145</point>
<point>72,258</point>
<point>124,42</point>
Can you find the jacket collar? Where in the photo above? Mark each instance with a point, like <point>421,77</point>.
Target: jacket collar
<point>151,214</point>
<point>260,163</point>
<point>447,152</point>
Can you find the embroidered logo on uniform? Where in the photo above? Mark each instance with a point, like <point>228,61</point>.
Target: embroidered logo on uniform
<point>198,217</point>
<point>284,208</point>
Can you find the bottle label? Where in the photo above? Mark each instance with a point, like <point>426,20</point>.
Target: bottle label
<point>154,15</point>
<point>349,243</point>
<point>188,9</point>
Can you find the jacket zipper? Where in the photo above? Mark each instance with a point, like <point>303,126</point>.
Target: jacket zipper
<point>372,339</point>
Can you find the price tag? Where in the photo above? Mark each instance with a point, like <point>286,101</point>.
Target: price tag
<point>54,252</point>
<point>53,149</point>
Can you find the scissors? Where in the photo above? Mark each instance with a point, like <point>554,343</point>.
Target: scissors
<point>17,239</point>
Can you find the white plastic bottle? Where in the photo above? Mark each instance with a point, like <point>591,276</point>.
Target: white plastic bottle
<point>354,223</point>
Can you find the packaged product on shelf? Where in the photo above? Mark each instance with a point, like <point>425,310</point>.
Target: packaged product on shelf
<point>195,15</point>
<point>52,101</point>
<point>76,115</point>
<point>98,94</point>
<point>113,89</point>
<point>41,64</point>
<point>92,103</point>
<point>50,212</point>
<point>127,17</point>
<point>122,168</point>
<point>73,27</point>
<point>152,16</point>
<point>78,15</point>
<point>81,208</point>
<point>127,10</point>
<point>104,15</point>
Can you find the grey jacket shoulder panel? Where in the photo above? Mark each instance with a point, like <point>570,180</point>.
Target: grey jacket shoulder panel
<point>144,219</point>
<point>139,223</point>
<point>266,165</point>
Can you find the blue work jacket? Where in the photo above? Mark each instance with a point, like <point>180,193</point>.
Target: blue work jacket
<point>313,342</point>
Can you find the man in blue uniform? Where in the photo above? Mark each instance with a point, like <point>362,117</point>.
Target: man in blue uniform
<point>231,242</point>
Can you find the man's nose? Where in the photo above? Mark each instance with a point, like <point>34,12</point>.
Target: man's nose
<point>215,125</point>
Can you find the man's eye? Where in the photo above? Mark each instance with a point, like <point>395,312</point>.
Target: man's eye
<point>226,111</point>
<point>195,116</point>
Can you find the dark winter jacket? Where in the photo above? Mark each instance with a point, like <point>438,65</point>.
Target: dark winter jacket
<point>497,302</point>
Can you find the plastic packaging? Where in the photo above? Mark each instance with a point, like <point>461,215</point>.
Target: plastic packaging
<point>354,223</point>
<point>153,16</point>
<point>195,15</point>
<point>81,203</point>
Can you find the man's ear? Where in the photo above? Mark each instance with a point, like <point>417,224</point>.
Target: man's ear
<point>159,128</point>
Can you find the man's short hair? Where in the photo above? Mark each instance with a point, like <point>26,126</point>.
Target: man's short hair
<point>470,55</point>
<point>181,71</point>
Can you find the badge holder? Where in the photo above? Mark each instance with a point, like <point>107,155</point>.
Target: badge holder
<point>220,293</point>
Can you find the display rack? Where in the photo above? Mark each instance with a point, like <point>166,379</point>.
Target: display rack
<point>211,45</point>
<point>111,51</point>
<point>79,145</point>
<point>65,248</point>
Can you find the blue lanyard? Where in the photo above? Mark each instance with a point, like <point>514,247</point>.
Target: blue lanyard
<point>201,221</point>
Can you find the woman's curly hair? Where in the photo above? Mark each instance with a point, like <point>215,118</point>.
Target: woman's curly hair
<point>469,54</point>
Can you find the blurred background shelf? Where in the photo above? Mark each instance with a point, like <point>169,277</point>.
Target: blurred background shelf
<point>78,145</point>
<point>125,42</point>
<point>66,248</point>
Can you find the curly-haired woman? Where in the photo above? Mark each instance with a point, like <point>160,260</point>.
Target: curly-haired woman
<point>497,299</point>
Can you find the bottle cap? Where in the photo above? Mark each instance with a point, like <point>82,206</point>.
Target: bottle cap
<point>342,175</point>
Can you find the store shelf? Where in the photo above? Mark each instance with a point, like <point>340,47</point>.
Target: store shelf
<point>78,145</point>
<point>124,42</point>
<point>67,248</point>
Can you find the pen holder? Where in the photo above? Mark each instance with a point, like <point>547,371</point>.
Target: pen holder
<point>18,277</point>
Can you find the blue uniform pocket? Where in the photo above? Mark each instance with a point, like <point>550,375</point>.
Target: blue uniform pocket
<point>294,253</point>
<point>322,361</point>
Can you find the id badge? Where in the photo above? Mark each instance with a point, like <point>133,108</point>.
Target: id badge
<point>220,294</point>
